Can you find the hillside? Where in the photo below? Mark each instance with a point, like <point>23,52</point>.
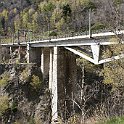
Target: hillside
<point>59,16</point>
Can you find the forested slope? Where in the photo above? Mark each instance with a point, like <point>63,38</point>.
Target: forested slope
<point>59,16</point>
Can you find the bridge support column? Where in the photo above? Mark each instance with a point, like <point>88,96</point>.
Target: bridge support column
<point>71,78</point>
<point>28,55</point>
<point>95,50</point>
<point>45,53</point>
<point>51,69</point>
<point>42,61</point>
<point>62,77</point>
<point>10,50</point>
<point>54,85</point>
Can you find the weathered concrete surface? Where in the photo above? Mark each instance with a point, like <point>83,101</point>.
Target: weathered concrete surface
<point>51,69</point>
<point>71,79</point>
<point>68,76</point>
<point>55,85</point>
<point>45,60</point>
<point>64,77</point>
<point>33,55</point>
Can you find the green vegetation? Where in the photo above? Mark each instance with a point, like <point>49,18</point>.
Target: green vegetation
<point>43,16</point>
<point>36,82</point>
<point>97,26</point>
<point>4,78</point>
<point>53,33</point>
<point>113,73</point>
<point>116,120</point>
<point>4,104</point>
<point>66,11</point>
<point>116,2</point>
<point>24,76</point>
<point>75,119</point>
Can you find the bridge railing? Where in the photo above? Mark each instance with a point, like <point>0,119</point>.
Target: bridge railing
<point>15,38</point>
<point>39,37</point>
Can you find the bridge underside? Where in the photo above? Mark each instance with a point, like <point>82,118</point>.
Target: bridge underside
<point>58,66</point>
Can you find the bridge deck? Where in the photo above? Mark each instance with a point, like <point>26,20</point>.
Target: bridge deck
<point>100,38</point>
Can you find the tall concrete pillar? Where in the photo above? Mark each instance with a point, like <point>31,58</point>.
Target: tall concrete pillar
<point>62,83</point>
<point>28,54</point>
<point>71,77</point>
<point>57,81</point>
<point>54,85</point>
<point>10,50</point>
<point>62,77</point>
<point>45,59</point>
<point>42,61</point>
<point>51,69</point>
<point>72,81</point>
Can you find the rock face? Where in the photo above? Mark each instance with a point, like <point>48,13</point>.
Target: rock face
<point>43,110</point>
<point>28,101</point>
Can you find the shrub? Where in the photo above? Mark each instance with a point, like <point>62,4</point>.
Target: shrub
<point>115,120</point>
<point>4,78</point>
<point>4,104</point>
<point>31,121</point>
<point>25,74</point>
<point>98,26</point>
<point>53,33</point>
<point>75,119</point>
<point>36,82</point>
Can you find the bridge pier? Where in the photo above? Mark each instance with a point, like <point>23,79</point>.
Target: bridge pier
<point>62,77</point>
<point>28,54</point>
<point>45,53</point>
<point>51,69</point>
<point>71,79</point>
<point>55,85</point>
<point>10,50</point>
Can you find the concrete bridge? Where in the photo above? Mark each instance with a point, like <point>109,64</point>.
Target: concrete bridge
<point>57,59</point>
